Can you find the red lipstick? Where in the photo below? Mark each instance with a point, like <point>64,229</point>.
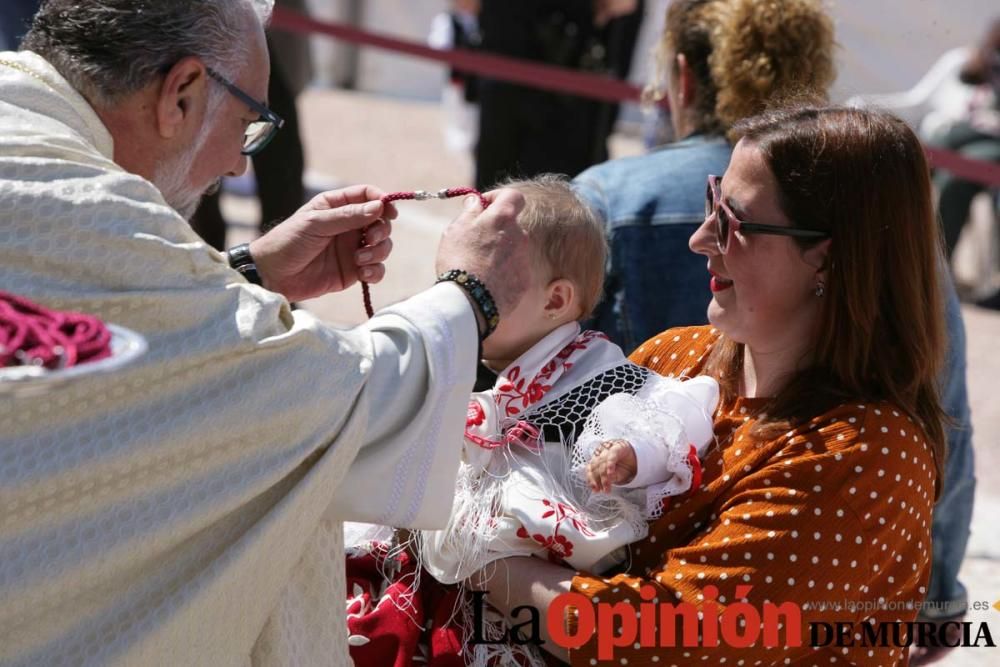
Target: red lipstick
<point>718,283</point>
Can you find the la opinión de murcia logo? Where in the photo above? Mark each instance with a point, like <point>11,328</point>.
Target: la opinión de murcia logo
<point>652,624</point>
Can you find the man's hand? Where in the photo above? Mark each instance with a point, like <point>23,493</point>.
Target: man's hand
<point>614,462</point>
<point>317,251</point>
<point>491,245</point>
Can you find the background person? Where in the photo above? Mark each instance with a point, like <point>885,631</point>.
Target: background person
<point>187,508</point>
<point>976,137</point>
<point>525,131</point>
<point>718,61</point>
<point>15,17</point>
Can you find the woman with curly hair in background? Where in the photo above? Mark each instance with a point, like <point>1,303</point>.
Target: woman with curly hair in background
<point>718,61</point>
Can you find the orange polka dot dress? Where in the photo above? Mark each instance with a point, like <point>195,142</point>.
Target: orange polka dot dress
<point>833,516</point>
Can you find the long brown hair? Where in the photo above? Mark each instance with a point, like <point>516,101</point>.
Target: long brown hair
<point>862,176</point>
<point>746,54</point>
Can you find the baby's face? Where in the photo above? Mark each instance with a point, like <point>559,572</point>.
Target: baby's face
<point>524,326</point>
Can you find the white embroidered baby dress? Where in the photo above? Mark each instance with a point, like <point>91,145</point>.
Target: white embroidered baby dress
<point>522,486</point>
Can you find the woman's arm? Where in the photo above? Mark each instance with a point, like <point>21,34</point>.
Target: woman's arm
<point>839,516</point>
<point>512,582</point>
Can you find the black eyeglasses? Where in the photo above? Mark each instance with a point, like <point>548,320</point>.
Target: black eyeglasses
<point>260,132</point>
<point>726,222</point>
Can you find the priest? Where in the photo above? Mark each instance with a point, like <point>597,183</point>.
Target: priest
<point>187,508</point>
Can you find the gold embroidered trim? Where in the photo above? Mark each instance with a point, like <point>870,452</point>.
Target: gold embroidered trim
<point>25,70</point>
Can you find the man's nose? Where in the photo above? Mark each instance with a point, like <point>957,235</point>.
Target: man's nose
<point>240,167</point>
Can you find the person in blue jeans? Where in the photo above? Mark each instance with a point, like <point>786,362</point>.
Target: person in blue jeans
<point>15,17</point>
<point>720,61</point>
<point>947,599</point>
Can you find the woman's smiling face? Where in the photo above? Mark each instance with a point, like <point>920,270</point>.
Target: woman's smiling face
<point>764,287</point>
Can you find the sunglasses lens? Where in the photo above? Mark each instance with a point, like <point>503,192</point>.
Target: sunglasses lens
<point>722,228</point>
<point>721,217</point>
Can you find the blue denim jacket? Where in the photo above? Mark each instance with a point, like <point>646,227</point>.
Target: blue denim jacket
<point>651,205</point>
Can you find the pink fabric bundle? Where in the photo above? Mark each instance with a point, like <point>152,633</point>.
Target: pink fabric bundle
<point>33,335</point>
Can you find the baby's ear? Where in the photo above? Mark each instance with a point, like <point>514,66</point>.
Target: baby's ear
<point>561,299</point>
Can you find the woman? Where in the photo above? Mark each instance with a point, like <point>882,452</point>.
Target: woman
<point>721,61</point>
<point>718,61</point>
<point>826,336</point>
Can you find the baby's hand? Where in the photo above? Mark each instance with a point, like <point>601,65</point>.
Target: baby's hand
<point>613,463</point>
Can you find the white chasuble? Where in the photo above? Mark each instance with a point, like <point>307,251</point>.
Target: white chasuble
<point>186,509</point>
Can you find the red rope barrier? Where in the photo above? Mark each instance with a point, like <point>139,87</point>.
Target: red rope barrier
<point>977,171</point>
<point>525,72</point>
<point>558,79</point>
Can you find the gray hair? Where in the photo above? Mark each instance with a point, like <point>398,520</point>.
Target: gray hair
<point>109,49</point>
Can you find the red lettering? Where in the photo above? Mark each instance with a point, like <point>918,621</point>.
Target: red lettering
<point>557,619</point>
<point>606,638</point>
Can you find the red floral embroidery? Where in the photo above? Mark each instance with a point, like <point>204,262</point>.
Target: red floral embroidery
<point>565,512</point>
<point>515,393</point>
<point>474,414</point>
<point>535,392</point>
<point>557,546</point>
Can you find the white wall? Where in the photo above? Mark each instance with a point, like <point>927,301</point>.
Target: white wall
<point>887,45</point>
<point>384,72</point>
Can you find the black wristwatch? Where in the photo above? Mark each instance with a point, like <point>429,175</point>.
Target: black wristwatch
<point>241,260</point>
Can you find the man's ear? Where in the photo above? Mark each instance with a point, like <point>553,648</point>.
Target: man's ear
<point>561,299</point>
<point>687,83</point>
<point>182,99</point>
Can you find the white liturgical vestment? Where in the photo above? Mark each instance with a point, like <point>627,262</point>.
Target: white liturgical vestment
<point>186,509</point>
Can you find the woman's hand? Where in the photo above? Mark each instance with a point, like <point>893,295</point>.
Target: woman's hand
<point>524,580</point>
<point>614,462</point>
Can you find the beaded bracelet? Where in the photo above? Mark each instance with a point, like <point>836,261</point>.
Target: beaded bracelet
<point>481,296</point>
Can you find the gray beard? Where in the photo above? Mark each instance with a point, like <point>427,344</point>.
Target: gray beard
<point>171,180</point>
<point>188,209</point>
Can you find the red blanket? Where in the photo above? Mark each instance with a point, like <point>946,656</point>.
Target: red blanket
<point>393,623</point>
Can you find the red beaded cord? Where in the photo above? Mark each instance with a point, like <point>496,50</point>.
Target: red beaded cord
<point>31,335</point>
<point>417,195</point>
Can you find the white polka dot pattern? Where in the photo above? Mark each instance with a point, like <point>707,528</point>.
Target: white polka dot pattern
<point>836,511</point>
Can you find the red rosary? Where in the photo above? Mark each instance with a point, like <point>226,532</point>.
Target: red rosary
<point>31,335</point>
<point>416,195</point>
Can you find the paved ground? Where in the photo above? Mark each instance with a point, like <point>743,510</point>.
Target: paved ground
<point>397,145</point>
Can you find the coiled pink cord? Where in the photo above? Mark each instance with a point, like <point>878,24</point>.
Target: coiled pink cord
<point>33,335</point>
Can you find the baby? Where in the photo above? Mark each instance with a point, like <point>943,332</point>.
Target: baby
<point>574,448</point>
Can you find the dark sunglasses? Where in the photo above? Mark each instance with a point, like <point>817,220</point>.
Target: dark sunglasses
<point>260,132</point>
<point>727,224</point>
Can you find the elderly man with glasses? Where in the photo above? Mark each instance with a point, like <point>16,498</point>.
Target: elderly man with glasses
<point>186,509</point>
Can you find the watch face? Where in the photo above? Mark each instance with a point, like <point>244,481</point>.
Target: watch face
<point>250,273</point>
